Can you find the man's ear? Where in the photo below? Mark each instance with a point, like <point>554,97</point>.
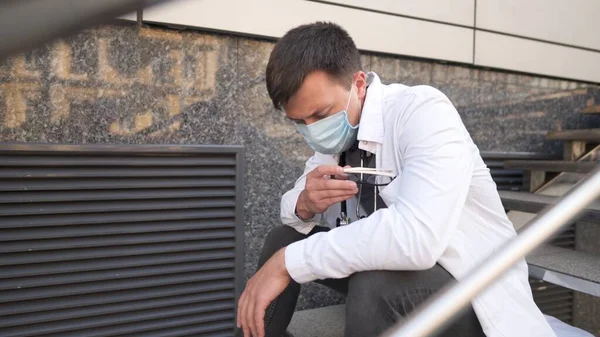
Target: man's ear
<point>360,78</point>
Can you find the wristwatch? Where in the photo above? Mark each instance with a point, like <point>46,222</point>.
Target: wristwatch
<point>303,220</point>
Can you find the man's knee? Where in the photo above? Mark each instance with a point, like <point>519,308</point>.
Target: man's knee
<point>376,293</point>
<point>380,298</point>
<point>278,237</point>
<point>282,236</point>
<point>403,290</point>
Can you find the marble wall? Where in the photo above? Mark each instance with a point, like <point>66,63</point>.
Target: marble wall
<point>122,84</point>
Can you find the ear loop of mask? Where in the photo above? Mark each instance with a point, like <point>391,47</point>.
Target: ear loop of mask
<point>349,97</point>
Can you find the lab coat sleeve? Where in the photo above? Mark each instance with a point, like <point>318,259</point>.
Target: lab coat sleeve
<point>289,199</point>
<point>429,195</point>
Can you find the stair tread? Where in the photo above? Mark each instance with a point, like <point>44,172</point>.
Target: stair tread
<point>324,322</point>
<point>534,203</point>
<point>588,135</point>
<point>504,155</point>
<point>552,165</point>
<point>330,322</point>
<point>592,109</point>
<point>573,263</point>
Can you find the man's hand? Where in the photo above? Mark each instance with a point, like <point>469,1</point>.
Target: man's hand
<point>321,191</point>
<point>268,282</point>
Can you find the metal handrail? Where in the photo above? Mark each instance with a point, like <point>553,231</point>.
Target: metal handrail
<point>441,308</point>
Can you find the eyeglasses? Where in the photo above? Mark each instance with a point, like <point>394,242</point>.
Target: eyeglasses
<point>369,176</point>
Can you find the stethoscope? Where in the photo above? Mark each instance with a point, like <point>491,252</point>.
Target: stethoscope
<point>344,219</point>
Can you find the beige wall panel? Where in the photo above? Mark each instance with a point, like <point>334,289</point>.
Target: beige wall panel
<point>459,12</point>
<point>506,52</point>
<point>272,18</point>
<point>571,22</point>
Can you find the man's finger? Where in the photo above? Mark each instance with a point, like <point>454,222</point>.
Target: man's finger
<point>327,194</point>
<point>335,200</point>
<point>239,310</point>
<point>250,315</point>
<point>259,314</point>
<point>341,177</point>
<point>245,326</point>
<point>327,170</point>
<point>333,184</point>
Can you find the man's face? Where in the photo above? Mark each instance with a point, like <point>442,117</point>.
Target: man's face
<point>320,96</point>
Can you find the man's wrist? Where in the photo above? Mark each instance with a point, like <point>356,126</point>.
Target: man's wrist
<point>301,212</point>
<point>280,256</point>
<point>296,264</point>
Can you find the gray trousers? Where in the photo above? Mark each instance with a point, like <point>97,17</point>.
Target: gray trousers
<point>375,300</point>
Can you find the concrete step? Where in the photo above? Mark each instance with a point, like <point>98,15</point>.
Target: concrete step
<point>568,268</point>
<point>585,135</point>
<point>322,322</point>
<point>592,109</point>
<point>551,165</point>
<point>329,322</point>
<point>534,203</point>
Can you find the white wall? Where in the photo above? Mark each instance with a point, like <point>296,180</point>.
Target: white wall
<point>547,37</point>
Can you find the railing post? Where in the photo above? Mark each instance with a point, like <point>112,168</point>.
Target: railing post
<point>439,311</point>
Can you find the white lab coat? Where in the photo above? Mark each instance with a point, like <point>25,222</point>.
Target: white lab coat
<point>442,207</point>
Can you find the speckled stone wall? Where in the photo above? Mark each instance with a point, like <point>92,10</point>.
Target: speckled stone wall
<point>129,85</point>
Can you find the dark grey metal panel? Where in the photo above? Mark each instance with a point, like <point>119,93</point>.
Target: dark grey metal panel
<point>115,217</point>
<point>120,240</point>
<point>510,180</point>
<point>114,183</point>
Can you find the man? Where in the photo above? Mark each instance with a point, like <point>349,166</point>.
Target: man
<point>438,218</point>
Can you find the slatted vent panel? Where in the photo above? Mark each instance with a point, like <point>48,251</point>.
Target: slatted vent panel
<point>565,239</point>
<point>119,241</point>
<point>505,179</point>
<point>552,300</point>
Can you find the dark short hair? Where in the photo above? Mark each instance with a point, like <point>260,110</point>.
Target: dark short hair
<point>318,46</point>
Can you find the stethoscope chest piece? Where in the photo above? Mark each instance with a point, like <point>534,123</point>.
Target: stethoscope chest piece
<point>342,220</point>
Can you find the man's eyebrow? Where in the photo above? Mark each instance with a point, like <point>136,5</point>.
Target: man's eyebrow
<point>302,119</point>
<point>294,119</point>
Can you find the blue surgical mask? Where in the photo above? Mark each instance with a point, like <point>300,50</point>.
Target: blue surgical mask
<point>331,135</point>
